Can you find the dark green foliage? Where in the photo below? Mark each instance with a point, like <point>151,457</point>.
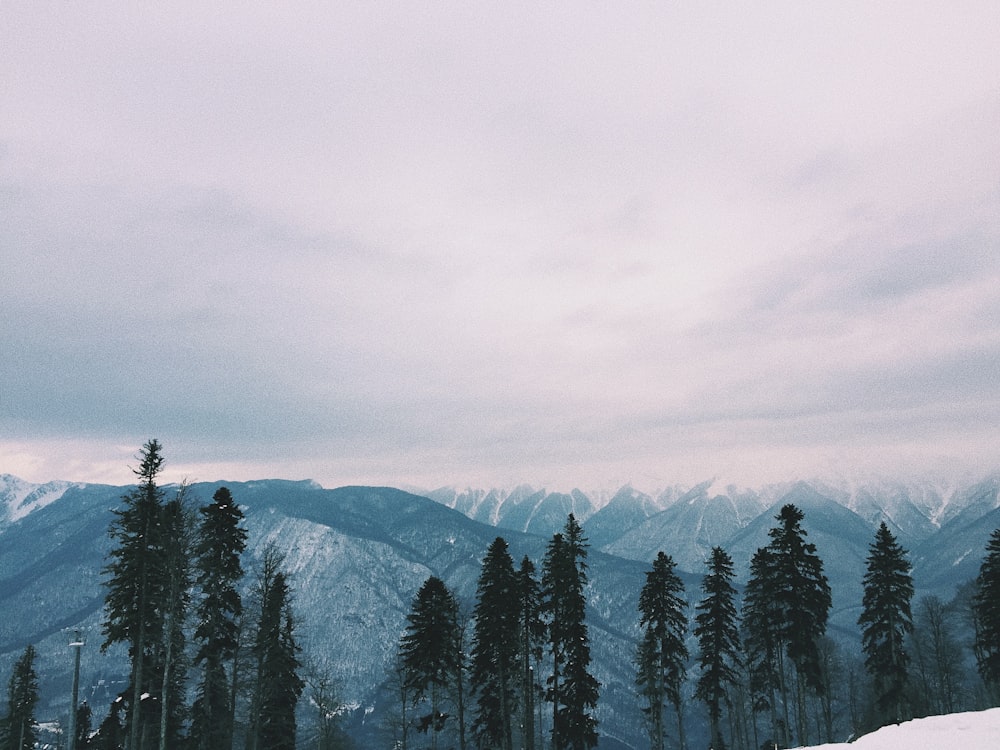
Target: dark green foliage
<point>986,607</point>
<point>111,734</point>
<point>885,620</point>
<point>802,593</point>
<point>136,589</point>
<point>430,651</point>
<point>22,698</point>
<point>278,684</point>
<point>221,540</point>
<point>84,717</point>
<point>662,655</point>
<point>716,629</point>
<point>495,647</point>
<point>762,641</point>
<point>531,636</point>
<point>572,689</point>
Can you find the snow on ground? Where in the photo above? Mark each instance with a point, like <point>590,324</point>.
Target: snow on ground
<point>975,730</point>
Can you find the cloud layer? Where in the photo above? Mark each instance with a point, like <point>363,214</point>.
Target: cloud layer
<point>569,245</point>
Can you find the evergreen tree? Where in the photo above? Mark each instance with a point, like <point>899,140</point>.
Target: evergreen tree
<point>22,698</point>
<point>111,734</point>
<point>278,684</point>
<point>136,589</point>
<point>762,643</point>
<point>495,649</point>
<point>221,540</point>
<point>531,636</point>
<point>430,651</point>
<point>885,620</point>
<point>986,608</point>
<point>802,601</point>
<point>572,689</point>
<point>84,716</point>
<point>170,661</point>
<point>662,655</point>
<point>716,630</point>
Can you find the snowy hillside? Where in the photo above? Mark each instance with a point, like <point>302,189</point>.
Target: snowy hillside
<point>975,730</point>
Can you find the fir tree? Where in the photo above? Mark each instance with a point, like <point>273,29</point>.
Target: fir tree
<point>763,645</point>
<point>111,734</point>
<point>495,649</point>
<point>221,539</point>
<point>885,620</point>
<point>22,698</point>
<point>662,655</point>
<point>802,601</point>
<point>136,588</point>
<point>531,636</point>
<point>430,651</point>
<point>278,683</point>
<point>716,629</point>
<point>176,526</point>
<point>986,609</point>
<point>572,689</point>
<point>84,717</point>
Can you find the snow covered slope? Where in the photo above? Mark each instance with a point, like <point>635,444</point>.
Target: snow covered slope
<point>975,730</point>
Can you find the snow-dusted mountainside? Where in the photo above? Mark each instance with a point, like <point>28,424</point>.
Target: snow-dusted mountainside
<point>359,554</point>
<point>19,498</point>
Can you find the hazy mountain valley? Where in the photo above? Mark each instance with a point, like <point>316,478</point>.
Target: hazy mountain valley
<point>358,555</point>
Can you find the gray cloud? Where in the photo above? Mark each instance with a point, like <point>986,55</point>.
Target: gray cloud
<point>560,244</point>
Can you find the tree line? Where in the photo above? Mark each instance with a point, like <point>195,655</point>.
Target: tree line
<point>516,672</point>
<point>514,669</point>
<point>172,599</point>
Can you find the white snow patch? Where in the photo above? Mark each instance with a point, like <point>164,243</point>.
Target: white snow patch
<point>973,730</point>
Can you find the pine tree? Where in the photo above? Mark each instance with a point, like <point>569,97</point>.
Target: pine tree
<point>22,698</point>
<point>176,527</point>
<point>278,685</point>
<point>111,733</point>
<point>716,629</point>
<point>84,717</point>
<point>531,636</point>
<point>572,689</point>
<point>986,609</point>
<point>136,589</point>
<point>495,649</point>
<point>221,539</point>
<point>662,655</point>
<point>802,602</point>
<point>885,620</point>
<point>762,642</point>
<point>430,651</point>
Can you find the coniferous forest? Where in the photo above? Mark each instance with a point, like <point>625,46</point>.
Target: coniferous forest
<point>216,659</point>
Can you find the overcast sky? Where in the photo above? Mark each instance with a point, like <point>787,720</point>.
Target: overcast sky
<point>572,244</point>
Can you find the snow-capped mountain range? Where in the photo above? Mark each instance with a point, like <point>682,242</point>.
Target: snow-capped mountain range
<point>358,555</point>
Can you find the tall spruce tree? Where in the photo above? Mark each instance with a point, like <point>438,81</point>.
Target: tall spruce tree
<point>278,684</point>
<point>176,529</point>
<point>430,651</point>
<point>802,600</point>
<point>763,644</point>
<point>22,699</point>
<point>885,620</point>
<point>136,588</point>
<point>572,689</point>
<point>221,540</point>
<point>495,649</point>
<point>662,655</point>
<point>531,636</point>
<point>717,632</point>
<point>986,610</point>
